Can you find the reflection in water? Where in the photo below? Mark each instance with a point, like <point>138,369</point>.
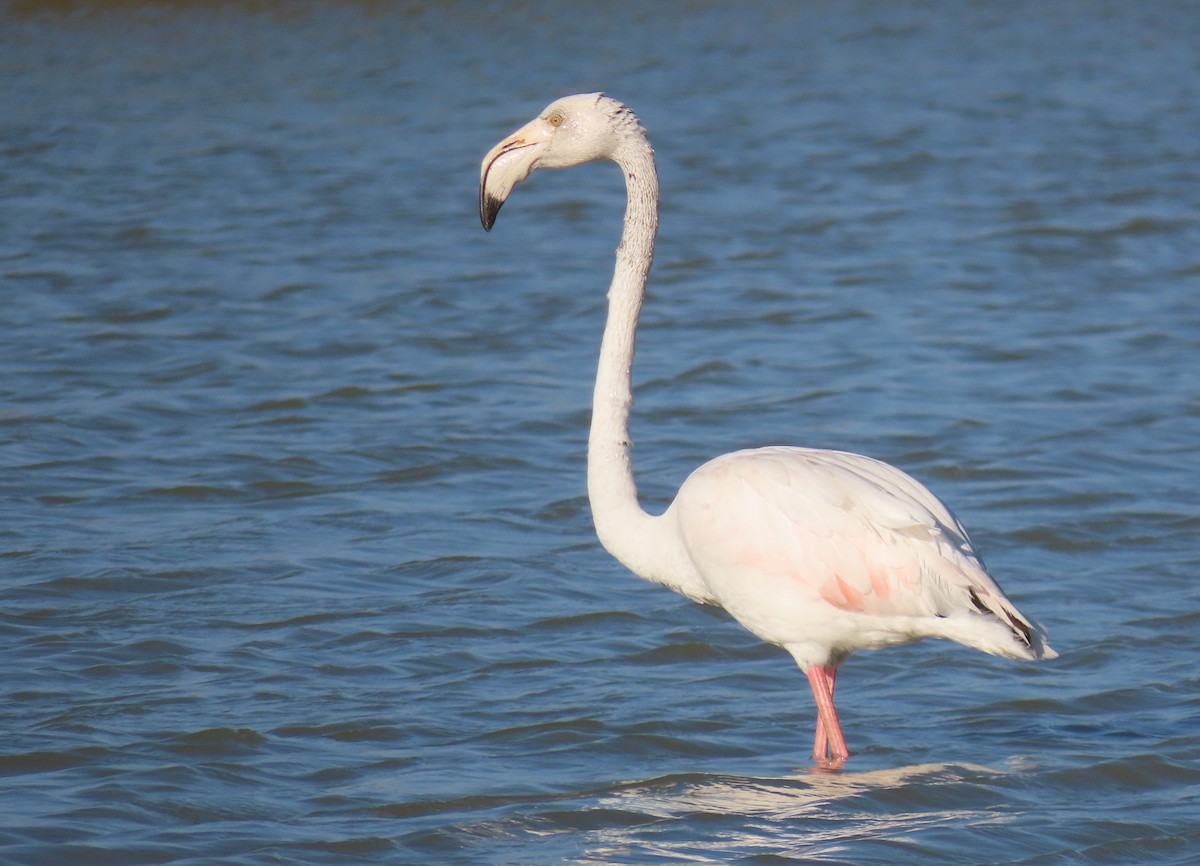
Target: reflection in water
<point>804,815</point>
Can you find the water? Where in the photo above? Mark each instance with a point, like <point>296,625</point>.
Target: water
<point>297,564</point>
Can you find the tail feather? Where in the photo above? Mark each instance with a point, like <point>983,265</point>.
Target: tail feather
<point>1022,629</point>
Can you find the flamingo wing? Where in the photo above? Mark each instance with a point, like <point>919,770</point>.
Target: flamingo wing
<point>838,551</point>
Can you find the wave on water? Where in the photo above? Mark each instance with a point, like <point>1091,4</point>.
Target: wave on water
<point>919,814</point>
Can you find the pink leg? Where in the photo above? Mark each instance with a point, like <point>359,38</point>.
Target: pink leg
<point>829,746</point>
<point>821,741</point>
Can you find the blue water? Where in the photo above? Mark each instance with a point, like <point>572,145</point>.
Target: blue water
<point>296,564</point>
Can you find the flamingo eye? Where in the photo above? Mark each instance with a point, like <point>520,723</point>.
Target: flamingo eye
<point>555,118</point>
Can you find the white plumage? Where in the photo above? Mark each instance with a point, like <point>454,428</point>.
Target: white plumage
<point>820,552</point>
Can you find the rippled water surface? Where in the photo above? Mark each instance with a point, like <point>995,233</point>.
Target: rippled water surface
<point>296,563</point>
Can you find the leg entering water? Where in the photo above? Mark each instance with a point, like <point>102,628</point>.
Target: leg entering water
<point>829,745</point>
<point>821,741</point>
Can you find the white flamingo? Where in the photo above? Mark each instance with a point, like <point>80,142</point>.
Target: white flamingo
<point>819,552</point>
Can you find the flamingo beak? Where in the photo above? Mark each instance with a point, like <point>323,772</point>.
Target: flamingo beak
<point>505,166</point>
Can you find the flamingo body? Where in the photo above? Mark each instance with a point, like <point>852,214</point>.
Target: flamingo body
<point>820,552</point>
<point>826,552</point>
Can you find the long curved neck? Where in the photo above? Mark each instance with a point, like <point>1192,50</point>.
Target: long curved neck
<point>623,527</point>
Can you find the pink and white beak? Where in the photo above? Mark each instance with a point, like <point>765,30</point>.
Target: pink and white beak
<point>507,164</point>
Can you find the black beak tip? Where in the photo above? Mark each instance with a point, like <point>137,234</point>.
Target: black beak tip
<point>488,208</point>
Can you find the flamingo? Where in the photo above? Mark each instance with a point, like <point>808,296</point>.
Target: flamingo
<point>819,552</point>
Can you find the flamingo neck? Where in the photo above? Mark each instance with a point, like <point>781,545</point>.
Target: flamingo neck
<point>625,530</point>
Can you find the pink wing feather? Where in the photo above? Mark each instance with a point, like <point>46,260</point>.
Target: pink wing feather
<point>778,534</point>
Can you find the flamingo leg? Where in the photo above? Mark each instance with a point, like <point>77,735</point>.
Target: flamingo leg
<point>829,745</point>
<point>821,741</point>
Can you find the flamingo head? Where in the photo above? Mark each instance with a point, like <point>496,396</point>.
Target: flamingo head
<point>570,131</point>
